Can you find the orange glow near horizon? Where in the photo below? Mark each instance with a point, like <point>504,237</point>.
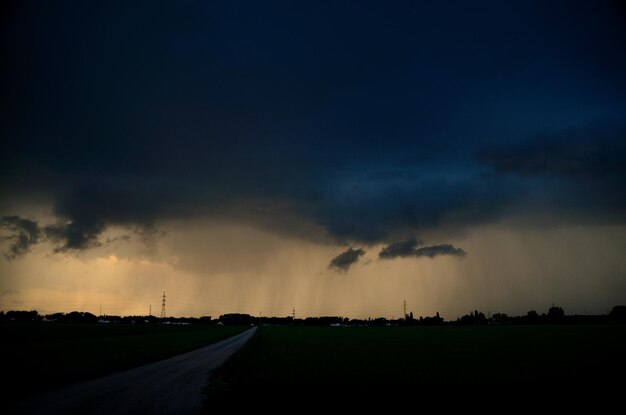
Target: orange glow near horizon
<point>229,268</point>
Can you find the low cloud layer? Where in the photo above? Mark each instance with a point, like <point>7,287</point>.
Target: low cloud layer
<point>409,248</point>
<point>436,250</point>
<point>22,234</point>
<point>400,249</point>
<point>344,260</point>
<point>73,236</point>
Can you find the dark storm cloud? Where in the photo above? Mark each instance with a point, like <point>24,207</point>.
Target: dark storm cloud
<point>23,234</point>
<point>436,250</point>
<point>90,206</point>
<point>409,248</point>
<point>400,249</point>
<point>594,150</point>
<point>344,260</point>
<point>365,119</point>
<point>575,175</point>
<point>74,236</point>
<point>376,208</point>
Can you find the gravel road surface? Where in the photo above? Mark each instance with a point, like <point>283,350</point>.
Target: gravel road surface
<point>171,386</point>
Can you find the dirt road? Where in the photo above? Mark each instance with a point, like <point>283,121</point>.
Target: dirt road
<point>171,386</point>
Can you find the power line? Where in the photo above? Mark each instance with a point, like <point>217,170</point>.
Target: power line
<point>163,306</point>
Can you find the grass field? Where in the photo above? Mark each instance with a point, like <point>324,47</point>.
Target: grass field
<point>36,357</point>
<point>369,361</point>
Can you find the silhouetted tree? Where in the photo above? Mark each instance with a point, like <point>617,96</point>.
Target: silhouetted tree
<point>238,319</point>
<point>466,320</point>
<point>474,317</point>
<point>532,317</point>
<point>23,316</point>
<point>79,317</point>
<point>431,321</point>
<point>618,314</point>
<point>500,318</point>
<point>479,317</point>
<point>322,321</point>
<point>380,321</point>
<point>555,314</point>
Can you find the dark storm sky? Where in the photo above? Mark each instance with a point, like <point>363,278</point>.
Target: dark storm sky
<point>375,120</point>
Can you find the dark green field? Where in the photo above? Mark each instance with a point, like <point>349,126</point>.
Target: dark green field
<point>36,357</point>
<point>370,361</point>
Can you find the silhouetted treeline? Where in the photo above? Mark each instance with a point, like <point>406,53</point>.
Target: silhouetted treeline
<point>21,316</point>
<point>246,319</point>
<point>155,320</point>
<point>435,320</point>
<point>85,317</point>
<point>554,315</point>
<point>238,319</point>
<point>618,314</point>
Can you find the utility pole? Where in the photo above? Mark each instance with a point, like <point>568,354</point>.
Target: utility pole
<point>150,312</point>
<point>404,306</point>
<point>163,306</point>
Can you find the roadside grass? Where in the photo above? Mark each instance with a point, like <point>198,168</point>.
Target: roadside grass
<point>38,357</point>
<point>456,361</point>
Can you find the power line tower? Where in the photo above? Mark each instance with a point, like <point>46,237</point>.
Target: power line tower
<point>404,306</point>
<point>293,313</point>
<point>150,312</point>
<point>163,306</point>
